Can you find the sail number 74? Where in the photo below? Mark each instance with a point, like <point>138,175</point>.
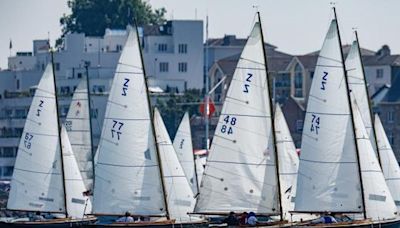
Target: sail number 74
<point>227,127</point>
<point>314,123</point>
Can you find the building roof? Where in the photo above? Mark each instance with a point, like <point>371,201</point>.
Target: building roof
<point>275,64</point>
<point>346,49</point>
<point>391,60</point>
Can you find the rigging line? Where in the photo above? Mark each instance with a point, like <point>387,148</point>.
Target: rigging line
<point>328,66</point>
<point>126,72</point>
<point>34,121</point>
<point>246,102</point>
<point>250,68</point>
<point>129,65</point>
<point>32,171</point>
<point>242,163</point>
<point>229,172</point>
<point>332,59</point>
<point>252,61</point>
<point>317,98</point>
<point>328,162</point>
<point>246,115</point>
<point>242,198</point>
<point>355,77</point>
<point>350,69</point>
<point>126,166</point>
<point>116,118</point>
<point>392,178</point>
<point>244,105</point>
<point>329,114</point>
<point>118,104</point>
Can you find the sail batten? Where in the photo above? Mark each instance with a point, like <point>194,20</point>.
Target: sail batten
<point>240,173</point>
<point>37,182</point>
<point>329,178</point>
<point>133,181</point>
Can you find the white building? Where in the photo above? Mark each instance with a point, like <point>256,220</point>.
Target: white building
<point>173,58</point>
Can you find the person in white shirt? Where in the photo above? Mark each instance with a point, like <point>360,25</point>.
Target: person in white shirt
<point>126,218</point>
<point>252,219</point>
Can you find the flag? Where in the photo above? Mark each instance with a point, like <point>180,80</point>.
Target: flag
<point>10,44</point>
<point>211,107</point>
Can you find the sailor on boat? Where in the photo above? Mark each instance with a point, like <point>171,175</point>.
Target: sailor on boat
<point>126,218</point>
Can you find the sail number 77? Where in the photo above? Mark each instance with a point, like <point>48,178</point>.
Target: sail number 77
<point>116,129</point>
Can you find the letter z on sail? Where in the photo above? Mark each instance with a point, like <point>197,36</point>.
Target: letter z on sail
<point>247,85</point>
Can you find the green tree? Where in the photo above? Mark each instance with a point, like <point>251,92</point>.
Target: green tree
<point>173,108</point>
<point>92,17</point>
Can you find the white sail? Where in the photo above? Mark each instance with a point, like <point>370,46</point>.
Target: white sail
<point>37,183</point>
<point>180,197</point>
<point>288,163</point>
<point>356,80</point>
<point>240,173</point>
<point>184,149</point>
<point>78,127</point>
<point>379,203</point>
<point>77,203</point>
<point>329,178</point>
<point>389,164</point>
<point>127,171</point>
<point>200,163</point>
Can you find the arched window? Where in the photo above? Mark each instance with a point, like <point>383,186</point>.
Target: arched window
<point>298,81</point>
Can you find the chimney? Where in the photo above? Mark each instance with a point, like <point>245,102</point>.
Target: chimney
<point>384,51</point>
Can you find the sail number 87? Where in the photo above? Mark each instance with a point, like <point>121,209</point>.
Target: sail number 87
<point>227,127</point>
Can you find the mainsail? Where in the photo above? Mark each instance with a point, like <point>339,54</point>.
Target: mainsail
<point>328,177</point>
<point>356,80</point>
<point>379,203</point>
<point>127,171</point>
<point>37,182</point>
<point>389,164</point>
<point>78,204</point>
<point>240,173</point>
<point>184,150</point>
<point>180,197</point>
<point>78,128</point>
<point>288,163</point>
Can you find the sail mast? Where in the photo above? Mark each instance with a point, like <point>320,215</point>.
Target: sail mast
<point>352,116</point>
<point>59,133</point>
<point>90,120</point>
<point>272,119</point>
<point>375,141</point>
<point>152,123</point>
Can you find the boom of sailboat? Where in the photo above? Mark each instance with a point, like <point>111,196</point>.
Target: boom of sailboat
<point>346,173</point>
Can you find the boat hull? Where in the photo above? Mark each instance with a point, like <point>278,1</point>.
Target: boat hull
<point>395,223</point>
<point>51,223</point>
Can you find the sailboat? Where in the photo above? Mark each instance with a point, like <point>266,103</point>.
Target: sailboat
<point>78,126</point>
<point>389,164</point>
<point>241,173</point>
<point>46,177</point>
<point>184,150</point>
<point>339,172</point>
<point>179,193</point>
<point>128,174</point>
<point>378,138</point>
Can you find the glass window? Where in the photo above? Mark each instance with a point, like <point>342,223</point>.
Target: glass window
<point>182,48</point>
<point>20,113</point>
<point>299,125</point>
<point>298,81</point>
<point>379,73</point>
<point>57,66</point>
<point>8,152</point>
<point>7,171</point>
<point>182,67</point>
<point>390,116</point>
<point>162,47</point>
<point>163,67</point>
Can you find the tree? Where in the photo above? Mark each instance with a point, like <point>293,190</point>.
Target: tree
<point>92,17</point>
<point>173,108</point>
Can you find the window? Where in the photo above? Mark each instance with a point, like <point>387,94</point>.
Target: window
<point>182,48</point>
<point>8,113</point>
<point>8,152</point>
<point>57,66</point>
<point>18,84</point>
<point>390,116</point>
<point>18,132</point>
<point>182,67</point>
<point>79,75</point>
<point>391,138</point>
<point>299,126</point>
<point>379,73</point>
<point>64,90</point>
<point>163,67</point>
<point>298,81</point>
<point>162,47</point>
<point>98,89</point>
<point>119,47</point>
<point>7,171</point>
<point>20,113</point>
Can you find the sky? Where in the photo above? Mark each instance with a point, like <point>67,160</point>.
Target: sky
<point>294,26</point>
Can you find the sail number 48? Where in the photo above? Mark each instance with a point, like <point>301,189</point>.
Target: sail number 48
<point>227,127</point>
<point>314,123</point>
